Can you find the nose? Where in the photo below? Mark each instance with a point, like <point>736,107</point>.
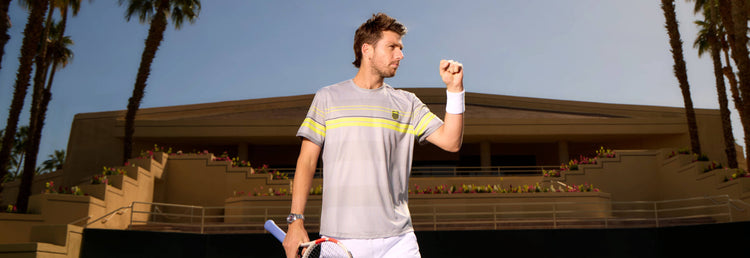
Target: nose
<point>399,54</point>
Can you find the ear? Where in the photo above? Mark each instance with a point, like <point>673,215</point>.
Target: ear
<point>367,51</point>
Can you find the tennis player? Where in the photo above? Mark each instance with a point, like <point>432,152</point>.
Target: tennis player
<point>366,131</point>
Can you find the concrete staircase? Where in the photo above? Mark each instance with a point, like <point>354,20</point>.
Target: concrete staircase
<point>652,175</point>
<point>48,232</point>
<point>53,226</point>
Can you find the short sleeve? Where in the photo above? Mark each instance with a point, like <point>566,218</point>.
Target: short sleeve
<point>313,127</point>
<point>424,121</point>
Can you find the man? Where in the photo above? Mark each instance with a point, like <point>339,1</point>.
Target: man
<point>366,131</point>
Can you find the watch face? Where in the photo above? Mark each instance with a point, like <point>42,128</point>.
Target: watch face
<point>292,217</point>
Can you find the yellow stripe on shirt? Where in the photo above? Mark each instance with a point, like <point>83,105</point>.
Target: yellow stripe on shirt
<point>314,126</point>
<point>422,125</point>
<point>370,122</point>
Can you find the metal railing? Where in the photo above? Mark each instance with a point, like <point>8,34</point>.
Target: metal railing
<point>452,171</point>
<point>108,216</point>
<point>459,216</point>
<point>557,215</point>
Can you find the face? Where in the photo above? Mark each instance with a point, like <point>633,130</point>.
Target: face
<point>385,56</point>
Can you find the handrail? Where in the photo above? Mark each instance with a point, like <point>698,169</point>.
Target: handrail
<point>79,220</point>
<point>168,204</point>
<point>729,202</point>
<point>741,202</point>
<point>606,214</point>
<point>109,215</point>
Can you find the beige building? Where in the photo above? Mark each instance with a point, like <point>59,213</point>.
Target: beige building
<point>499,131</point>
<point>196,191</point>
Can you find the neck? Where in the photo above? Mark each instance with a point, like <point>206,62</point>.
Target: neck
<point>367,80</point>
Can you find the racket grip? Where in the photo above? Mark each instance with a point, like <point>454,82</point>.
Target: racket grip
<point>275,230</point>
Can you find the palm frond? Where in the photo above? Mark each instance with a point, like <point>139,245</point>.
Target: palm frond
<point>179,11</point>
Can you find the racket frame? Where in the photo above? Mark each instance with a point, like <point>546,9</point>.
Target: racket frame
<point>279,233</point>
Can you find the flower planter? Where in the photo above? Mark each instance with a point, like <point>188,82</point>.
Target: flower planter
<point>116,180</point>
<point>160,157</point>
<point>96,190</point>
<point>147,164</point>
<point>65,208</point>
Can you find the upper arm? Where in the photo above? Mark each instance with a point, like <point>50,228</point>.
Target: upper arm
<point>308,154</point>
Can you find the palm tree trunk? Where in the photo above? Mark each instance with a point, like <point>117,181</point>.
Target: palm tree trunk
<point>32,148</point>
<point>40,99</point>
<point>155,36</point>
<point>731,12</point>
<point>732,78</point>
<point>738,102</point>
<point>63,22</point>
<point>29,45</point>
<point>4,26</point>
<point>35,137</point>
<point>40,72</point>
<point>42,114</point>
<point>680,71</point>
<point>726,121</point>
<point>733,87</point>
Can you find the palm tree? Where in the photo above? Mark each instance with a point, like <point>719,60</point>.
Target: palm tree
<point>17,153</point>
<point>19,149</point>
<point>681,72</point>
<point>32,148</point>
<point>708,39</point>
<point>53,33</point>
<point>29,46</point>
<point>42,64</point>
<point>733,16</point>
<point>55,161</point>
<point>156,13</point>
<point>4,26</point>
<point>59,55</point>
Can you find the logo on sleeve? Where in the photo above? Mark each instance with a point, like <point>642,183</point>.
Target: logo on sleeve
<point>394,114</point>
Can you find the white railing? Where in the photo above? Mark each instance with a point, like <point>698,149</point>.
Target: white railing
<point>475,216</point>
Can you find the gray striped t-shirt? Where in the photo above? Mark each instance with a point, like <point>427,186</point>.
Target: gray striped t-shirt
<point>368,139</point>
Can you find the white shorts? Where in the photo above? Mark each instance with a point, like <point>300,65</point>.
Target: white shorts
<point>401,246</point>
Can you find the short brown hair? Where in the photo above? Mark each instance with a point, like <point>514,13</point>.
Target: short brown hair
<point>372,30</point>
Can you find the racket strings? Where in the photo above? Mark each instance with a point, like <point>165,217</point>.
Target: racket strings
<point>326,250</point>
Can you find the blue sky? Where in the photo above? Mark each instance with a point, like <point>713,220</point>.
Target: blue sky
<point>583,50</point>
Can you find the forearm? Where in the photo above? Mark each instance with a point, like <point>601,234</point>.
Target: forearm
<point>303,176</point>
<point>301,188</point>
<point>453,127</point>
<point>453,131</point>
<point>450,135</point>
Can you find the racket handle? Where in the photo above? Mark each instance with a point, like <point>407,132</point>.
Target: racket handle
<point>275,230</point>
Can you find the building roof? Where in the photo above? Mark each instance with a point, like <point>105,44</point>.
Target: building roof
<point>487,116</point>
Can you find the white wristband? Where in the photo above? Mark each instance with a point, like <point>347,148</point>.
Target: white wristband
<point>454,103</point>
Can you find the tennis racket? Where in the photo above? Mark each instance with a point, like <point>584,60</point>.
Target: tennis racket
<point>322,247</point>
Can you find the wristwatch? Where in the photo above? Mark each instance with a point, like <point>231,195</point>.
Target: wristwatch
<point>294,216</point>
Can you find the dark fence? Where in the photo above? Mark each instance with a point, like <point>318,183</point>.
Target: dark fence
<point>712,240</point>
